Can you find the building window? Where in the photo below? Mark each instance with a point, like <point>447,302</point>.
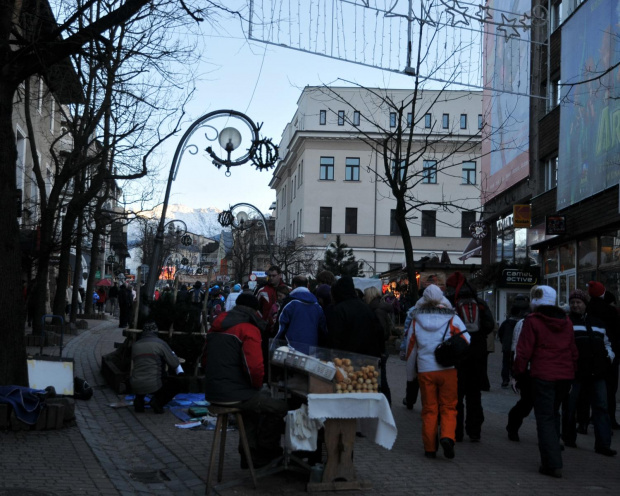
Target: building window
<point>327,169</point>
<point>295,188</point>
<point>467,218</point>
<point>392,119</point>
<point>341,117</point>
<point>427,121</point>
<point>409,119</point>
<point>352,171</point>
<point>556,15</point>
<point>469,172</point>
<point>554,94</point>
<point>325,220</point>
<point>429,223</point>
<point>400,173</point>
<point>445,121</point>
<point>52,114</point>
<point>284,196</point>
<point>301,174</point>
<point>40,96</point>
<point>394,228</point>
<point>356,118</point>
<point>322,117</point>
<point>551,173</point>
<point>430,172</point>
<point>350,221</point>
<point>463,121</point>
<point>480,121</point>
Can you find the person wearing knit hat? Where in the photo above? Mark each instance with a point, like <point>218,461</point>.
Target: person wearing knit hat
<point>472,371</point>
<point>432,320</point>
<point>231,299</point>
<point>599,307</point>
<point>148,355</point>
<point>595,358</point>
<point>546,347</point>
<point>596,289</point>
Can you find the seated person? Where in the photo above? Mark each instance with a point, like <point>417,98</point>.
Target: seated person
<point>233,363</point>
<point>149,355</point>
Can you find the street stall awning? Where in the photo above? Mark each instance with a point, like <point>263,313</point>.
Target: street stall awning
<point>473,249</point>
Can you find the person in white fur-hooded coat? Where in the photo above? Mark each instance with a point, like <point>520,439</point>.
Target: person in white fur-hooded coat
<point>432,316</point>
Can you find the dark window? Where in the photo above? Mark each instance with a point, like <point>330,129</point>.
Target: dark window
<point>356,118</point>
<point>409,119</point>
<point>469,172</point>
<point>445,121</point>
<point>325,220</point>
<point>341,117</point>
<point>463,121</point>
<point>327,169</point>
<point>430,172</point>
<point>429,222</point>
<point>352,170</point>
<point>350,221</point>
<point>467,218</point>
<point>427,121</point>
<point>323,117</point>
<point>400,173</point>
<point>480,122</point>
<point>394,229</point>
<point>392,119</point>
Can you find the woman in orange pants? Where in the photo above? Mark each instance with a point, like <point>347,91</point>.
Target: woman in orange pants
<point>434,321</point>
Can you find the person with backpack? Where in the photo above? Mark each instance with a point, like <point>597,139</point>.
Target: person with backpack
<point>520,308</point>
<point>479,321</point>
<point>433,322</point>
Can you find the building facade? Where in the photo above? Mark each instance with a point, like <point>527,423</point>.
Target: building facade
<point>331,181</point>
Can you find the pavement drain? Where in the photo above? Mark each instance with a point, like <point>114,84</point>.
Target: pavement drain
<point>19,491</point>
<point>147,476</point>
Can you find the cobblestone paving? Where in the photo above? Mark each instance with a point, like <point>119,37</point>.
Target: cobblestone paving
<point>113,451</point>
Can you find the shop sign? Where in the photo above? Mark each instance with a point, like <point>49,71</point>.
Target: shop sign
<point>555,224</point>
<point>522,215</point>
<point>504,223</point>
<point>518,277</point>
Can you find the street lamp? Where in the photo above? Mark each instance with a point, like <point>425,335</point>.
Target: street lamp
<point>237,218</point>
<point>261,152</point>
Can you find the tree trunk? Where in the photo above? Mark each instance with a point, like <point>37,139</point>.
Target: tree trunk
<point>13,365</point>
<point>401,220</point>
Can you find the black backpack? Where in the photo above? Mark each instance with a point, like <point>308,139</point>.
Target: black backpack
<point>81,389</point>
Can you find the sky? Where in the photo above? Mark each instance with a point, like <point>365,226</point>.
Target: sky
<point>264,82</point>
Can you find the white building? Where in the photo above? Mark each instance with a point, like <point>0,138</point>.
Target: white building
<point>328,181</point>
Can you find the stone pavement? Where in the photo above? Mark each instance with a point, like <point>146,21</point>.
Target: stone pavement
<point>114,451</point>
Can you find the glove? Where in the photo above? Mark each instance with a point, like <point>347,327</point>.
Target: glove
<point>514,386</point>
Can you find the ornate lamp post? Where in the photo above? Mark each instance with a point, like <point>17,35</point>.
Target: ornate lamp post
<point>237,218</point>
<point>261,152</point>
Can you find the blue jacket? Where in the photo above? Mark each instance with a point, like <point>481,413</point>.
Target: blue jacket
<point>302,321</point>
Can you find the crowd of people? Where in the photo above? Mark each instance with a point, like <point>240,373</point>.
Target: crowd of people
<point>561,362</point>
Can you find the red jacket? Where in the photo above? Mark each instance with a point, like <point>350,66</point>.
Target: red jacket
<point>547,343</point>
<point>233,356</point>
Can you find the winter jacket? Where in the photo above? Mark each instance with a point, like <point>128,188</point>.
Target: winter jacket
<point>302,321</point>
<point>506,331</point>
<point>231,301</point>
<point>426,332</point>
<point>547,343</point>
<point>351,324</point>
<point>599,308</point>
<point>595,353</point>
<point>383,310</point>
<point>233,356</point>
<point>149,355</point>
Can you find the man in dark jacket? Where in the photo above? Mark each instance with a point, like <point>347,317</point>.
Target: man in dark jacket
<point>599,307</point>
<point>301,321</point>
<point>234,375</point>
<point>520,308</point>
<point>479,321</point>
<point>148,376</point>
<point>595,357</point>
<point>547,345</point>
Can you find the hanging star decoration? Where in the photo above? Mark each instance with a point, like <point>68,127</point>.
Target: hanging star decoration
<point>508,27</point>
<point>456,12</point>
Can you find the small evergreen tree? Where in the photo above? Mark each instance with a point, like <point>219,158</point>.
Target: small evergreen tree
<point>339,259</point>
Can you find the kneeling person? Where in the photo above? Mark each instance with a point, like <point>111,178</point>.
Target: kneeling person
<point>149,355</point>
<point>234,377</point>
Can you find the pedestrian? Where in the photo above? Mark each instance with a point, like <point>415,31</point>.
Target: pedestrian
<point>231,299</point>
<point>432,318</point>
<point>595,358</point>
<point>520,308</point>
<point>547,345</point>
<point>124,306</point>
<point>478,319</point>
<point>102,300</point>
<point>113,298</point>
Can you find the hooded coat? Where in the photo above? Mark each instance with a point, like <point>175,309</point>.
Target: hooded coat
<point>352,325</point>
<point>233,357</point>
<point>547,343</point>
<point>149,355</point>
<point>302,321</point>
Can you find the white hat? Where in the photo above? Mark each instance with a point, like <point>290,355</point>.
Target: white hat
<point>543,295</point>
<point>434,296</point>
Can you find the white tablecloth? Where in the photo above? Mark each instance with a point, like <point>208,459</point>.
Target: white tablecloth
<point>372,410</point>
